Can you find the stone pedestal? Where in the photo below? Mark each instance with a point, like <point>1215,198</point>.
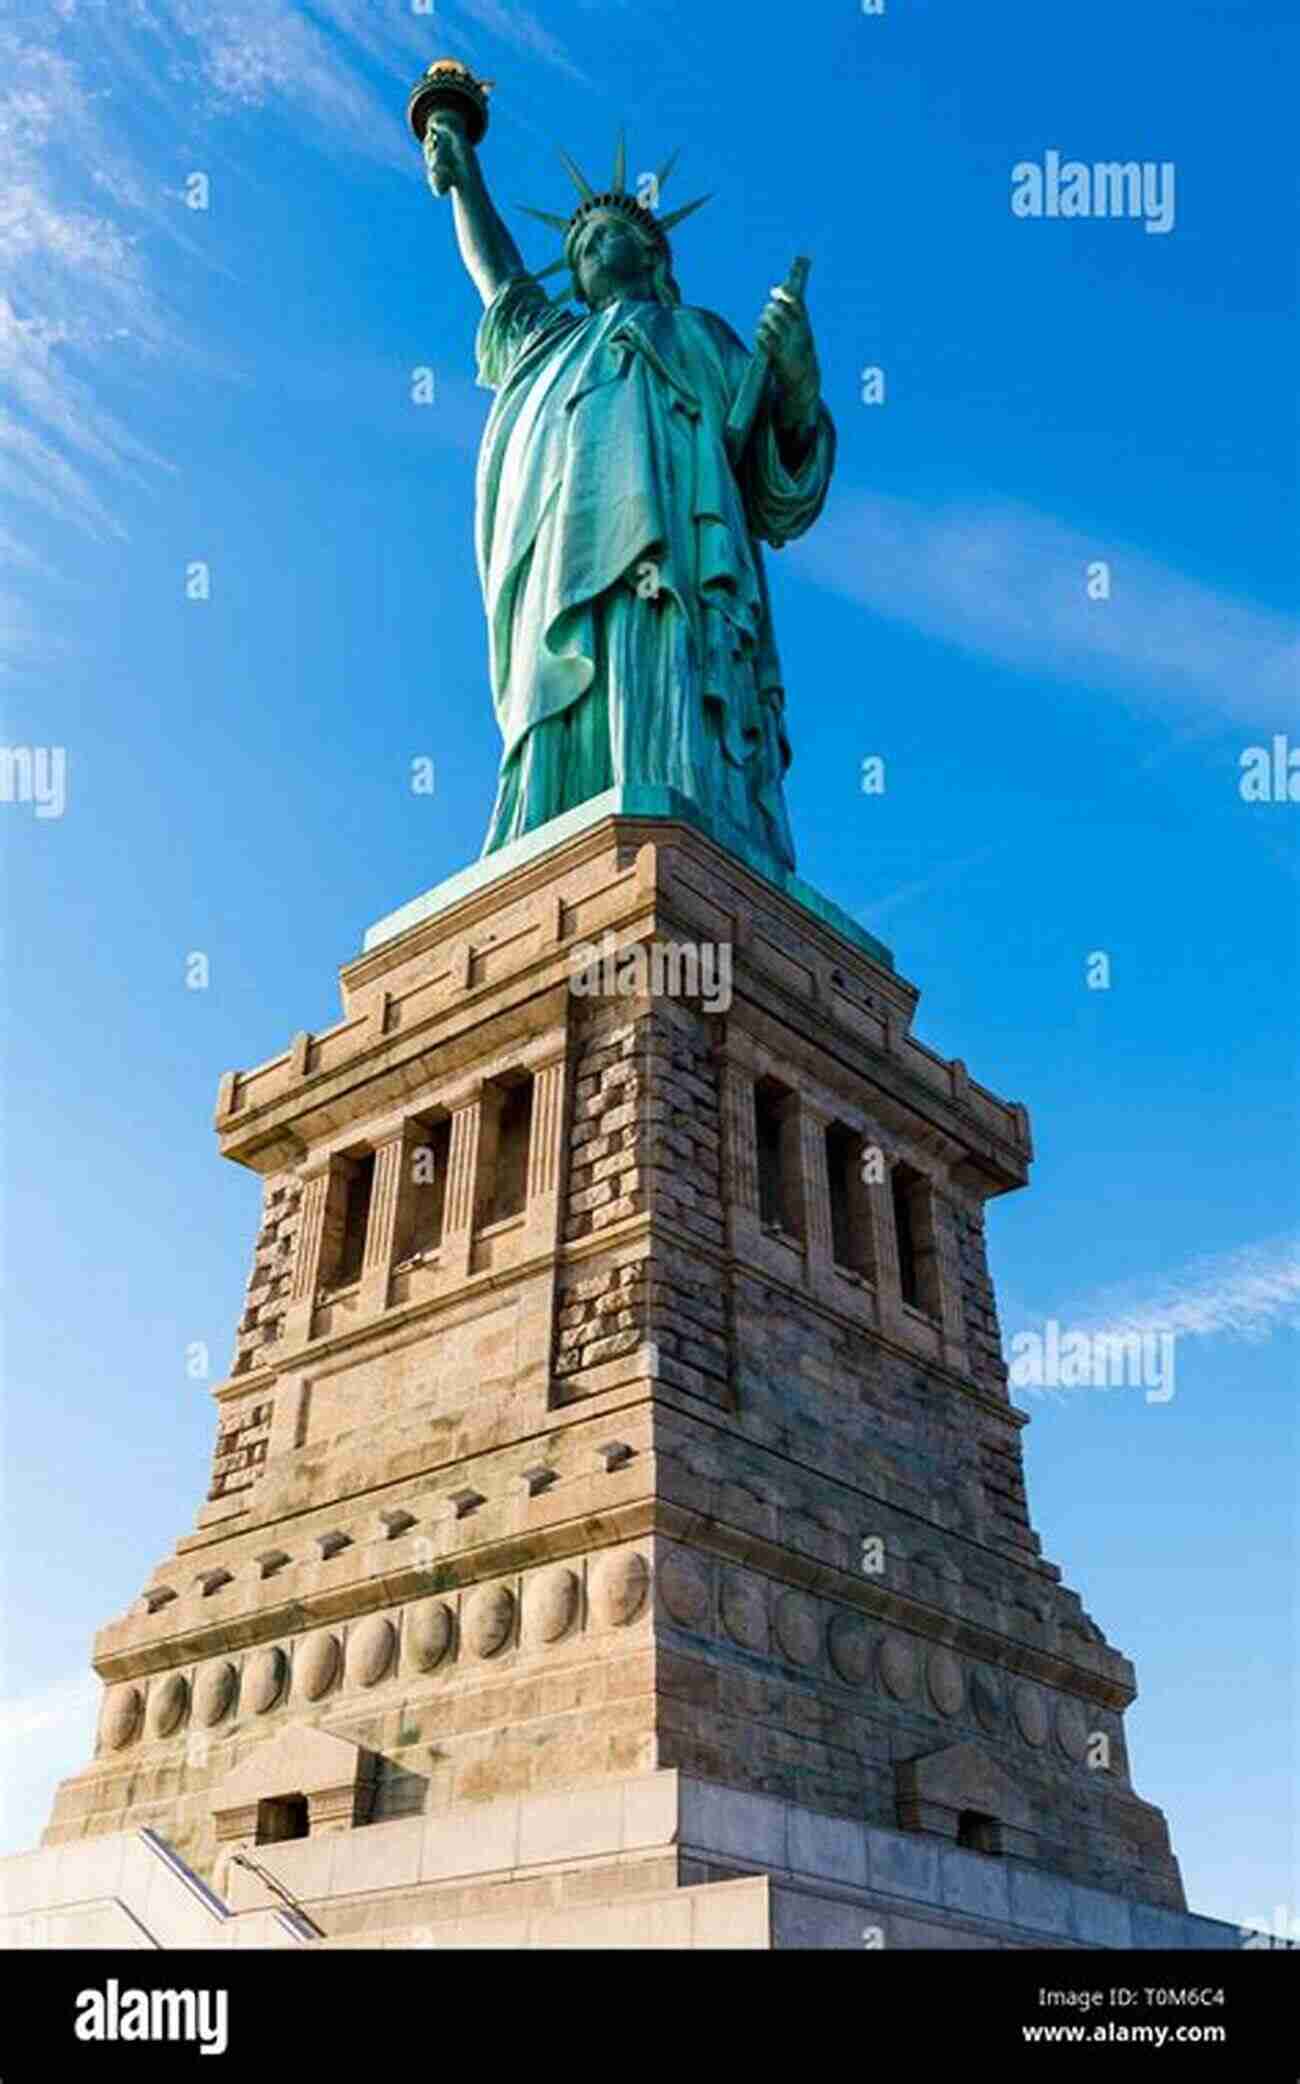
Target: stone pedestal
<point>619,1395</point>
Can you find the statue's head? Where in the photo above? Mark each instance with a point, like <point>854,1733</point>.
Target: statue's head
<point>611,254</point>
<point>614,244</point>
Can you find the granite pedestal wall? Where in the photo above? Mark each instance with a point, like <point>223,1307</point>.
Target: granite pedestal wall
<point>619,1391</point>
<point>657,1861</point>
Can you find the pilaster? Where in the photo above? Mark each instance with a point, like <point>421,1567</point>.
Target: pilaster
<point>389,1203</point>
<point>463,1175</point>
<point>809,1163</point>
<point>740,1152</point>
<point>318,1184</point>
<point>542,1210</point>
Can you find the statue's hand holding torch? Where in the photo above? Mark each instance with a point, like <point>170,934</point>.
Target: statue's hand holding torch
<point>446,151</point>
<point>448,114</point>
<point>448,111</point>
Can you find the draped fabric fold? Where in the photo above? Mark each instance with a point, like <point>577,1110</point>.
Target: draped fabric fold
<point>630,635</point>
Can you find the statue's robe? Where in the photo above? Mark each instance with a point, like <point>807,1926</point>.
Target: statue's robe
<point>630,634</point>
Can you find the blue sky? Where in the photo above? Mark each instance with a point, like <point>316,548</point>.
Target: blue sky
<point>234,385</point>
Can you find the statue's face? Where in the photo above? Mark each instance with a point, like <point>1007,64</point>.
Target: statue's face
<point>612,260</point>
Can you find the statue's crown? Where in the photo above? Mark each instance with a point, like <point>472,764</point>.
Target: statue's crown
<point>616,197</point>
<point>627,206</point>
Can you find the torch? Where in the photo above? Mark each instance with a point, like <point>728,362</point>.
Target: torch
<point>448,94</point>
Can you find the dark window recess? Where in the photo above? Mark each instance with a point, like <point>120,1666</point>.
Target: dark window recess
<point>514,1133</point>
<point>850,1210</point>
<point>902,1184</point>
<point>769,1137</point>
<point>428,1195</point>
<point>918,1253</point>
<point>977,1832</point>
<point>356,1219</point>
<point>280,1817</point>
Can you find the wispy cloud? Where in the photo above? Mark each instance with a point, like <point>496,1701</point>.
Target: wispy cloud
<point>520,26</point>
<point>1006,582</point>
<point>1248,1294</point>
<point>455,30</point>
<point>343,63</point>
<point>44,1737</point>
<point>873,914</point>
<point>266,53</point>
<point>78,293</point>
<point>65,1705</point>
<point>94,96</point>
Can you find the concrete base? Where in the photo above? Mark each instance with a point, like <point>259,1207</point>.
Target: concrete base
<point>662,1860</point>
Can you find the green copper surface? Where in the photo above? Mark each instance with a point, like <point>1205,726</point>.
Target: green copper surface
<point>643,803</point>
<point>636,459</point>
<point>630,637</point>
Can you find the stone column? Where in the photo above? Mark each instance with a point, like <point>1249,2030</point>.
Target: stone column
<point>884,1240</point>
<point>948,1269</point>
<point>739,1154</point>
<point>288,1415</point>
<point>389,1201</point>
<point>546,1142</point>
<point>812,1183</point>
<point>545,1186</point>
<point>308,1257</point>
<point>464,1185</point>
<point>739,1141</point>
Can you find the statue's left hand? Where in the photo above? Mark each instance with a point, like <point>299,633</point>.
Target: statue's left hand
<point>785,336</point>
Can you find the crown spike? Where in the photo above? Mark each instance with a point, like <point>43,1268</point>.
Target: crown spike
<point>675,216</point>
<point>554,267</point>
<point>662,176</point>
<point>578,178</point>
<point>620,161</point>
<point>557,224</point>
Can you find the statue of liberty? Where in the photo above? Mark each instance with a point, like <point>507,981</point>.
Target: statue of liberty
<point>621,503</point>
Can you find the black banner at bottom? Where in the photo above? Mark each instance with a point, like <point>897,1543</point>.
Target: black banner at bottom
<point>268,2012</point>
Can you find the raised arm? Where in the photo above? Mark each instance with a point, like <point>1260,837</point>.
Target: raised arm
<point>490,255</point>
